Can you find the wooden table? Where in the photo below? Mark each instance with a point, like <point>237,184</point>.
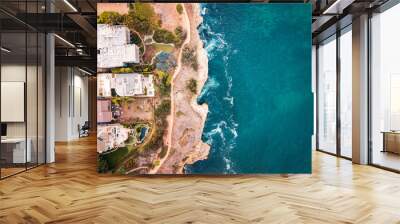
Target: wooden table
<point>391,141</point>
<point>13,150</point>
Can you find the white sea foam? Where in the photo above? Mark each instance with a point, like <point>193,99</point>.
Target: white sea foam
<point>203,11</point>
<point>211,83</point>
<point>228,96</point>
<point>222,131</point>
<point>229,99</point>
<point>228,163</point>
<point>227,143</point>
<point>234,132</point>
<point>217,41</point>
<point>228,77</point>
<point>218,130</point>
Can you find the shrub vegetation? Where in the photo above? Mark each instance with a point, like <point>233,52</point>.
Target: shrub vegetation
<point>135,39</point>
<point>165,36</point>
<point>142,18</point>
<point>111,18</point>
<point>163,109</point>
<point>110,160</point>
<point>165,82</point>
<point>145,69</point>
<point>122,70</point>
<point>161,113</point>
<point>163,152</point>
<point>192,86</point>
<point>179,8</point>
<point>180,35</point>
<point>189,57</point>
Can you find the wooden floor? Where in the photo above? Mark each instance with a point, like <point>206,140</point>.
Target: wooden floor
<point>386,159</point>
<point>8,171</point>
<point>70,191</point>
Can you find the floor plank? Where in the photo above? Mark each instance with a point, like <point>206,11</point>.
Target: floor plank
<point>71,191</point>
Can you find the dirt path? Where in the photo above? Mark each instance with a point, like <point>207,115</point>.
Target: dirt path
<point>177,70</point>
<point>136,169</point>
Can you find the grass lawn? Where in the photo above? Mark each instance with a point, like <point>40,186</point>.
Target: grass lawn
<point>115,157</point>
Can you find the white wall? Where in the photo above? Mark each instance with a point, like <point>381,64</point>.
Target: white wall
<point>9,73</point>
<point>80,112</point>
<point>12,73</point>
<point>61,103</point>
<point>34,125</point>
<point>71,102</point>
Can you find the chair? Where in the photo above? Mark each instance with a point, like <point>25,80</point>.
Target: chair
<point>84,130</point>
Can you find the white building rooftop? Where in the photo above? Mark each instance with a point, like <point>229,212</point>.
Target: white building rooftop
<point>125,84</point>
<point>114,48</point>
<point>148,85</point>
<point>111,136</point>
<point>129,84</point>
<point>117,56</point>
<point>104,82</point>
<point>108,36</point>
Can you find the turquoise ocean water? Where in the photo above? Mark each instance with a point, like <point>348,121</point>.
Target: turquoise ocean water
<point>260,116</point>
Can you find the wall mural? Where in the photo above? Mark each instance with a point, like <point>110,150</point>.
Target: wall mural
<point>204,88</point>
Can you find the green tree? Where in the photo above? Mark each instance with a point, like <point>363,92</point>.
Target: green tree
<point>142,18</point>
<point>165,82</point>
<point>122,70</point>
<point>135,39</point>
<point>179,8</point>
<point>180,35</point>
<point>164,36</point>
<point>116,101</point>
<point>192,86</point>
<point>111,18</point>
<point>144,10</point>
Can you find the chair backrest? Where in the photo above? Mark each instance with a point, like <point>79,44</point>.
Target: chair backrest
<point>86,125</point>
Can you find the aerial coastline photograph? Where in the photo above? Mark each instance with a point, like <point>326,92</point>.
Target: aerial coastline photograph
<point>190,88</point>
<point>199,112</point>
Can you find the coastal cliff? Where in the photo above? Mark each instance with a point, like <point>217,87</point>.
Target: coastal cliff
<point>187,116</point>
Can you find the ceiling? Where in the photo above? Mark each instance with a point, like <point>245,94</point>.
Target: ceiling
<point>332,15</point>
<point>74,21</point>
